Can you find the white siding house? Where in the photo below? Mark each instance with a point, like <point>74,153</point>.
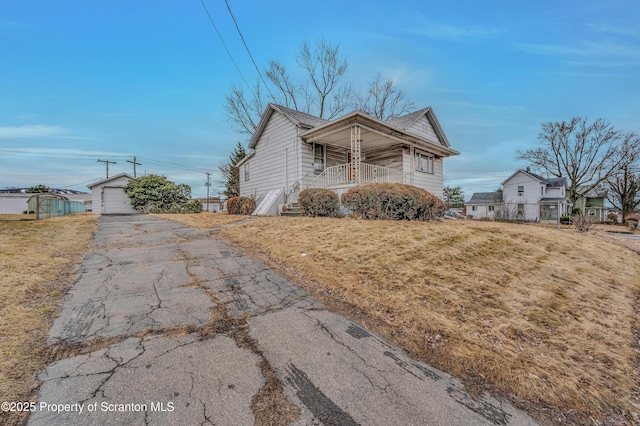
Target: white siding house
<point>484,205</point>
<point>531,197</point>
<point>108,195</point>
<point>292,151</point>
<point>12,203</point>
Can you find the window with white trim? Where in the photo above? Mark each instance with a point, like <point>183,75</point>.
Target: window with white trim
<point>246,172</point>
<point>520,190</point>
<point>424,163</point>
<point>318,158</point>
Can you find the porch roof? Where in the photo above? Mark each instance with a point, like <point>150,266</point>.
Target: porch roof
<point>374,133</point>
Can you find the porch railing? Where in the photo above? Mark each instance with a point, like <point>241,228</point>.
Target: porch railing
<point>342,174</point>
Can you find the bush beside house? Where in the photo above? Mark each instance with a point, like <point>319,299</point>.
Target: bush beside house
<point>393,201</point>
<point>316,202</point>
<point>241,205</point>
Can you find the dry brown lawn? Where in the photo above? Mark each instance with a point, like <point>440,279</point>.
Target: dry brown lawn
<point>544,317</point>
<point>36,260</point>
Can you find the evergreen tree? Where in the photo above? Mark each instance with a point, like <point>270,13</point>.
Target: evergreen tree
<point>231,173</point>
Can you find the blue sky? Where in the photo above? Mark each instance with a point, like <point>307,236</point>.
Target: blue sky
<point>110,79</point>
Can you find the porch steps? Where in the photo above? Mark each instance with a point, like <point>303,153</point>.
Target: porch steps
<point>292,210</point>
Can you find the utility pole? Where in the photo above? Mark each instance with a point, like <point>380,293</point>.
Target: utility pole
<point>107,162</point>
<point>208,185</point>
<point>134,165</point>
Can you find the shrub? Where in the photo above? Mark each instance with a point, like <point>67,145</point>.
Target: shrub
<point>193,206</point>
<point>241,205</point>
<point>582,223</point>
<point>319,202</point>
<point>566,220</point>
<point>393,201</point>
<point>632,221</point>
<point>613,217</point>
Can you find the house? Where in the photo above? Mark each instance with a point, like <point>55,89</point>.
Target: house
<point>292,151</point>
<point>592,203</point>
<point>108,195</point>
<point>528,196</point>
<point>483,205</point>
<point>14,203</point>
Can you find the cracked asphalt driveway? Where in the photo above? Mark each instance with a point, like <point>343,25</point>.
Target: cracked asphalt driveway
<point>168,325</point>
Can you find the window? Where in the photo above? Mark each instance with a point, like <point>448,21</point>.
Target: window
<point>520,209</point>
<point>474,208</point>
<point>520,190</point>
<point>424,163</point>
<point>246,172</point>
<point>318,158</point>
<point>492,208</point>
<point>542,190</point>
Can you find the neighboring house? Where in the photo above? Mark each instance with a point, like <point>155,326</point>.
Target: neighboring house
<point>528,196</point>
<point>483,205</point>
<point>292,151</point>
<point>11,203</point>
<point>592,203</point>
<point>109,197</point>
<point>215,204</point>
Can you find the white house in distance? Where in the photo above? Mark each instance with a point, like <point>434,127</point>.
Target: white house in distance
<point>292,151</point>
<point>108,195</point>
<point>483,205</point>
<point>526,196</point>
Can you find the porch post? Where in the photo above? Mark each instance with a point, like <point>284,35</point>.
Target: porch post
<point>355,154</point>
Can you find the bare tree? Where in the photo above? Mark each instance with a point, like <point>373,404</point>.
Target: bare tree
<point>587,154</point>
<point>384,100</point>
<point>245,112</point>
<point>322,91</point>
<point>624,190</point>
<point>325,67</point>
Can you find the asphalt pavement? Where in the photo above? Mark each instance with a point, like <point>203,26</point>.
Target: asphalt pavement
<point>168,325</point>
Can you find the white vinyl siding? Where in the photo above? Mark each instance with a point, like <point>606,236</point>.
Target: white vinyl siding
<point>431,182</point>
<point>97,196</point>
<point>523,192</point>
<point>275,161</point>
<point>422,127</point>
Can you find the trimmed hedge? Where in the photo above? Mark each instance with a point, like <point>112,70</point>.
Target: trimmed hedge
<point>393,201</point>
<point>241,205</point>
<point>316,202</point>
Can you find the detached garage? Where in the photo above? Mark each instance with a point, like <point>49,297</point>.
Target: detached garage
<point>108,196</point>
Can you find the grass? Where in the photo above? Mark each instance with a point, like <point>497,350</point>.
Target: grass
<point>544,317</point>
<point>37,259</point>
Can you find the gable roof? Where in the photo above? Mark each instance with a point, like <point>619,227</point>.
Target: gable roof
<point>485,198</point>
<point>298,118</point>
<point>406,121</point>
<point>395,128</point>
<point>100,182</point>
<point>597,192</point>
<point>552,182</point>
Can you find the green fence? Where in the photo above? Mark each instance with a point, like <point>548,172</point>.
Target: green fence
<point>46,207</point>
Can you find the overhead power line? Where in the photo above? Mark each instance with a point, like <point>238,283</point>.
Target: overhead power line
<point>225,46</point>
<point>247,48</point>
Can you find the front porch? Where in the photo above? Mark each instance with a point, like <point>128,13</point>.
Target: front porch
<point>341,177</point>
<point>351,174</point>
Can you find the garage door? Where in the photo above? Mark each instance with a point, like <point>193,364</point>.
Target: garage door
<point>115,200</point>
